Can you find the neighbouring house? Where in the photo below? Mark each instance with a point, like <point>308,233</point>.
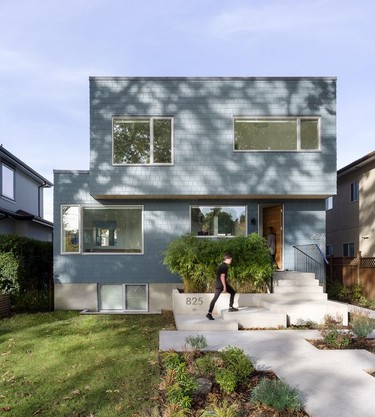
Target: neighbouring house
<point>21,202</point>
<point>213,156</point>
<point>351,213</point>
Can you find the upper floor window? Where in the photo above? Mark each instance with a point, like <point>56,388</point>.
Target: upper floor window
<point>142,140</point>
<point>218,220</point>
<point>7,181</point>
<point>354,191</point>
<point>116,229</point>
<point>276,134</point>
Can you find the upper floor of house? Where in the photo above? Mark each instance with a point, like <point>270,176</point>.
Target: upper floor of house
<point>21,189</point>
<point>183,137</point>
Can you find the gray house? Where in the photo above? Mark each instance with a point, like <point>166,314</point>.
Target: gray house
<point>21,200</point>
<point>217,157</point>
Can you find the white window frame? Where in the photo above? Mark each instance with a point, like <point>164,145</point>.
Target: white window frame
<point>9,175</point>
<point>150,119</point>
<point>281,119</point>
<point>329,203</point>
<point>80,230</point>
<point>124,286</point>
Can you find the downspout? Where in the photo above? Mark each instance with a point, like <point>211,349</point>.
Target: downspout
<point>39,188</point>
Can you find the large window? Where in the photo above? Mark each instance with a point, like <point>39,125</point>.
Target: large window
<point>142,141</point>
<point>123,297</point>
<point>276,134</point>
<point>7,181</point>
<point>102,229</point>
<point>218,220</point>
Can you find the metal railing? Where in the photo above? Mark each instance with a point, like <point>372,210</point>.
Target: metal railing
<point>310,258</point>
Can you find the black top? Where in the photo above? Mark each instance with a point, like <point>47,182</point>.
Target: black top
<point>223,269</point>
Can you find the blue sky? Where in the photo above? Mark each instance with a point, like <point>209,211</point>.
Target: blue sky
<point>48,50</point>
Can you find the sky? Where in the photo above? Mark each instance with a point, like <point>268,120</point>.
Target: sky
<point>49,49</point>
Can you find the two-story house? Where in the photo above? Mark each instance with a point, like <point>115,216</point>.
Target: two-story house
<point>351,213</point>
<point>213,156</point>
<point>21,200</point>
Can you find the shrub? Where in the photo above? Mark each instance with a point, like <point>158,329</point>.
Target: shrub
<point>362,325</point>
<point>333,335</point>
<point>276,394</point>
<point>237,362</point>
<point>226,379</point>
<point>9,265</point>
<point>181,391</point>
<point>198,342</point>
<point>172,360</point>
<point>196,261</point>
<point>222,410</point>
<point>205,366</point>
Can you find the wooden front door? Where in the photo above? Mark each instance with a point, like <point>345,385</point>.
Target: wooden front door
<point>273,217</point>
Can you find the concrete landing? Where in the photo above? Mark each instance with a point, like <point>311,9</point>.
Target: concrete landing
<point>197,322</point>
<point>256,317</point>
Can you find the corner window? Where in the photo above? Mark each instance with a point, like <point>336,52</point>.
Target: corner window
<point>7,181</point>
<point>123,297</point>
<point>354,191</point>
<point>102,229</point>
<point>142,141</point>
<point>218,220</point>
<point>276,134</point>
<point>329,203</point>
<point>348,249</point>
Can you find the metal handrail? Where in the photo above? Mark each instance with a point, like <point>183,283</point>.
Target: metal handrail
<point>304,262</point>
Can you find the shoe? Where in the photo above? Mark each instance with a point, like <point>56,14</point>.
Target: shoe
<point>231,309</point>
<point>209,316</point>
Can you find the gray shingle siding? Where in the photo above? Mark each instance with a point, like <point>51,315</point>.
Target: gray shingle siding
<point>204,161</point>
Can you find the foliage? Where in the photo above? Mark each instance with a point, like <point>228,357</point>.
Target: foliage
<point>333,335</point>
<point>362,325</point>
<point>352,295</point>
<point>205,366</point>
<point>26,267</point>
<point>276,394</point>
<point>198,342</point>
<point>237,362</point>
<point>226,379</point>
<point>172,360</point>
<point>196,261</point>
<point>65,364</point>
<point>9,273</point>
<point>222,410</point>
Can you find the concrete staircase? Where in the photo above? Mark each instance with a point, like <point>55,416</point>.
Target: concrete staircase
<point>297,299</point>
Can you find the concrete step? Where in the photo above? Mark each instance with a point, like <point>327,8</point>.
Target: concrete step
<point>283,289</point>
<point>293,275</point>
<point>200,322</point>
<point>256,318</point>
<point>290,297</point>
<point>302,311</point>
<point>296,282</point>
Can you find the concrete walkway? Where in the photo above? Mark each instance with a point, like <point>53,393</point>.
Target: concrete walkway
<point>332,383</point>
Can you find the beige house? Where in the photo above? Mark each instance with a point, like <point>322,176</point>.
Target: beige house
<point>350,216</point>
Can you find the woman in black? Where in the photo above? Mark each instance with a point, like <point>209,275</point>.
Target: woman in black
<point>221,285</point>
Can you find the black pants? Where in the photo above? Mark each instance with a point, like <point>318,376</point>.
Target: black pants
<point>218,291</point>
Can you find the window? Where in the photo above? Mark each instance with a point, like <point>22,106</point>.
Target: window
<point>7,181</point>
<point>218,221</point>
<point>281,134</point>
<point>123,297</point>
<point>102,229</point>
<point>354,191</point>
<point>140,141</point>
<point>348,249</point>
<point>329,250</point>
<point>329,203</point>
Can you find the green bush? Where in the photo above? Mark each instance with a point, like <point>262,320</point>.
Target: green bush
<point>237,362</point>
<point>333,335</point>
<point>172,360</point>
<point>198,342</point>
<point>226,379</point>
<point>26,271</point>
<point>196,260</point>
<point>362,325</point>
<point>222,410</point>
<point>276,394</point>
<point>205,366</point>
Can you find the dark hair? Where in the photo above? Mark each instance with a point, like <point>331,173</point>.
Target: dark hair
<point>227,256</point>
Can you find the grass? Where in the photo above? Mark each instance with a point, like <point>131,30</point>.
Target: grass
<point>64,364</point>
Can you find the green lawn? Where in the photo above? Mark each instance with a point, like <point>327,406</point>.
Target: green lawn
<point>63,364</point>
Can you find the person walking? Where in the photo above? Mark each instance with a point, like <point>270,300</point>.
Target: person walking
<point>221,285</point>
<point>271,242</point>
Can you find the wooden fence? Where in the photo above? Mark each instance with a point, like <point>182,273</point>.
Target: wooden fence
<point>352,271</point>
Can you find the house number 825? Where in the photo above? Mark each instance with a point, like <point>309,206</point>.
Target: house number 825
<point>194,301</point>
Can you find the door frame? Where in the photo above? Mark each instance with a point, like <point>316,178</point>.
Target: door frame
<point>280,232</point>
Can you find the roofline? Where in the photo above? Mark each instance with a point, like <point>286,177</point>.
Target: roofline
<point>356,164</point>
<point>25,217</point>
<point>25,167</point>
<point>214,78</point>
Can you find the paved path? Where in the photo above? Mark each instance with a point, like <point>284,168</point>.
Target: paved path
<point>332,383</point>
